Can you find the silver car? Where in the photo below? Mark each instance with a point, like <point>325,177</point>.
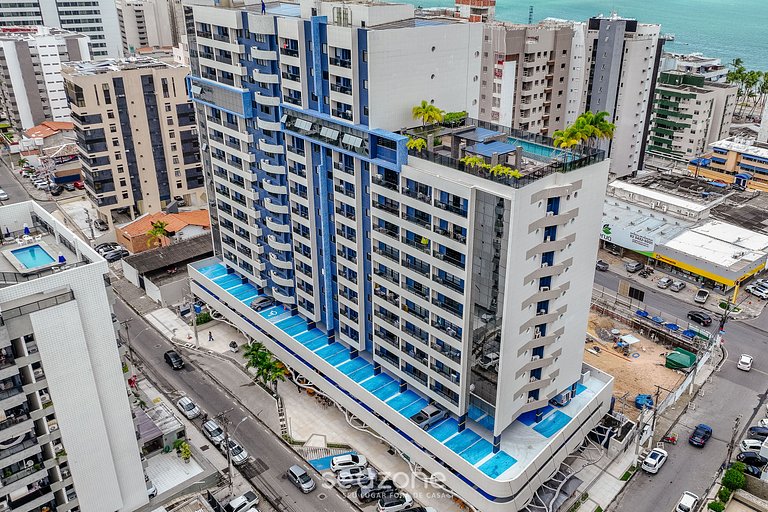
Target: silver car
<point>237,453</point>
<point>301,479</point>
<point>3,195</point>
<point>213,432</point>
<point>188,407</point>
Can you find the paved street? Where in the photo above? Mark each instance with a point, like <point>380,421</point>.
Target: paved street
<point>270,456</point>
<point>15,190</point>
<point>729,393</point>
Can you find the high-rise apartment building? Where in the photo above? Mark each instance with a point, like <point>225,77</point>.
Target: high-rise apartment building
<point>95,18</point>
<point>539,78</point>
<point>689,113</point>
<point>710,68</point>
<point>67,439</point>
<point>31,88</point>
<point>136,134</point>
<point>402,280</point>
<point>145,23</point>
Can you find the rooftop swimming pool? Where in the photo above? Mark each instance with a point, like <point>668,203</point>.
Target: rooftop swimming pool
<point>32,256</point>
<point>548,152</point>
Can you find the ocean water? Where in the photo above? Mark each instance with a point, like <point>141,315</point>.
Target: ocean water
<point>716,28</point>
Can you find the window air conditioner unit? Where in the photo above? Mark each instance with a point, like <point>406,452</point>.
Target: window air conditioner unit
<point>541,312</point>
<point>537,334</point>
<point>544,289</point>
<point>531,399</point>
<point>535,358</point>
<point>550,214</point>
<point>544,264</point>
<point>533,379</point>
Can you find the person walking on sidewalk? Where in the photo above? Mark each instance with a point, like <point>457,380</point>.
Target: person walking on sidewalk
<point>210,336</point>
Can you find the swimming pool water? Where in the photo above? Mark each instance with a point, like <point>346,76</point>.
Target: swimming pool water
<point>33,256</point>
<point>540,150</point>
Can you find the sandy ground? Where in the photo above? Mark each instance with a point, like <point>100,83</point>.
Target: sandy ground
<point>632,375</point>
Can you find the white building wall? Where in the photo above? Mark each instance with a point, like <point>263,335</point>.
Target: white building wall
<point>17,82</point>
<point>577,79</point>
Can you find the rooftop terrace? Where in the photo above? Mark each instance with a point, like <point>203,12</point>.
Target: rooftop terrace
<point>533,155</point>
<point>88,68</point>
<point>521,443</point>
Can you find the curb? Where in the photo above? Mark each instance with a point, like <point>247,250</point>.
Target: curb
<point>236,398</point>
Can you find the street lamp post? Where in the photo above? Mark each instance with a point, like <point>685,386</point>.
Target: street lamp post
<point>229,453</point>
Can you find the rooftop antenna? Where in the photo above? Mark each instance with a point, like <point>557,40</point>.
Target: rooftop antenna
<point>530,14</point>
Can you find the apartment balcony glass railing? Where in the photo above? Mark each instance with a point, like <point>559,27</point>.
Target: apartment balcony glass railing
<point>416,266</point>
<point>380,180</point>
<point>420,335</point>
<point>388,275</point>
<point>419,221</point>
<point>387,317</point>
<point>390,297</point>
<point>420,291</point>
<point>448,306</point>
<point>343,63</point>
<point>416,374</point>
<point>451,396</point>
<point>451,208</point>
<point>451,353</point>
<point>391,254</point>
<point>392,359</point>
<point>417,195</point>
<point>393,208</point>
<point>344,89</point>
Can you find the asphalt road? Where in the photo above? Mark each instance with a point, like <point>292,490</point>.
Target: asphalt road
<point>731,392</point>
<point>270,457</point>
<point>16,192</point>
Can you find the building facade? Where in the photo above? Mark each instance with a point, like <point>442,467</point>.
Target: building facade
<point>740,161</point>
<point>61,450</point>
<point>145,23</point>
<point>136,134</point>
<point>392,271</point>
<point>96,19</point>
<point>689,114</point>
<point>539,78</point>
<point>31,89</point>
<point>710,68</point>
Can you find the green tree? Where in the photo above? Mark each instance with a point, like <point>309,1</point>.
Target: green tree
<point>416,144</point>
<point>23,162</point>
<point>567,138</point>
<point>186,451</point>
<point>503,171</point>
<point>473,161</point>
<point>590,127</point>
<point>158,234</point>
<point>427,113</point>
<point>734,479</point>
<point>255,354</point>
<point>268,369</point>
<point>749,84</point>
<point>762,92</point>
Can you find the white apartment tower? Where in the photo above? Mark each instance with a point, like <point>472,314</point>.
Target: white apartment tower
<point>32,89</point>
<point>67,439</point>
<point>145,23</point>
<point>95,18</point>
<point>401,279</point>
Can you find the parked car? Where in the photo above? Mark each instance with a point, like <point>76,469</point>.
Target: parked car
<point>350,460</point>
<point>151,489</point>
<point>243,503</point>
<point>633,266</point>
<point>601,265</point>
<point>3,195</point>
<point>745,362</point>
<point>700,317</point>
<point>688,502</point>
<point>56,190</point>
<point>701,296</point>
<point>751,470</point>
<point>758,432</point>
<point>237,453</point>
<point>180,202</point>
<point>750,445</point>
<point>106,247</point>
<point>188,407</point>
<point>676,286</point>
<point>174,360</point>
<point>263,302</point>
<point>301,479</point>
<point>100,225</point>
<point>374,492</point>
<point>356,476</point>
<point>79,185</point>
<point>428,416</point>
<point>69,187</point>
<point>664,282</point>
<point>42,185</point>
<point>757,290</point>
<point>213,432</point>
<point>420,509</point>
<point>115,255</point>
<point>489,360</point>
<point>700,435</point>
<point>655,460</point>
<point>752,459</point>
<point>396,503</point>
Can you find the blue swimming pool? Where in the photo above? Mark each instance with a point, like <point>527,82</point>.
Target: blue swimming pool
<point>541,150</point>
<point>33,256</point>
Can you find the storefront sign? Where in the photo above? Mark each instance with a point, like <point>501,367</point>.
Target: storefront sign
<point>627,239</point>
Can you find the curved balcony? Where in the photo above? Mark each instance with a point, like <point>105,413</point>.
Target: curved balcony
<point>278,245</point>
<point>272,188</point>
<point>269,168</point>
<point>276,149</point>
<point>271,101</point>
<point>275,207</point>
<point>274,126</point>
<point>282,297</point>
<point>278,227</point>
<point>280,280</point>
<point>277,262</point>
<point>265,78</point>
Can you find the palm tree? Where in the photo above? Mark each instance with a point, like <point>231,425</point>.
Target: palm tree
<point>416,144</point>
<point>503,171</point>
<point>566,138</point>
<point>427,113</point>
<point>751,81</point>
<point>472,161</point>
<point>23,162</point>
<point>157,234</point>
<point>589,126</point>
<point>255,355</point>
<point>273,372</point>
<point>762,91</point>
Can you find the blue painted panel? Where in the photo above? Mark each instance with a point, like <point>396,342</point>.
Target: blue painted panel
<point>444,429</point>
<point>387,391</point>
<point>498,464</point>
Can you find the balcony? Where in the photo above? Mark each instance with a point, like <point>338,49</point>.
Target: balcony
<point>346,234</point>
<point>292,100</point>
<point>283,297</point>
<point>417,244</point>
<point>389,275</point>
<point>418,312</point>
<point>449,283</point>
<point>416,374</point>
<point>343,89</point>
<point>419,221</point>
<point>392,208</point>
<point>290,52</point>
<point>420,292</point>
<point>448,259</point>
<point>279,263</point>
<point>378,179</point>
<point>291,76</point>
<point>344,254</point>
<point>273,188</point>
<point>279,227</point>
<point>390,297</point>
<point>266,166</point>
<point>418,334</point>
<point>417,266</point>
<point>349,169</point>
<point>394,233</point>
<point>343,114</point>
<point>281,280</point>
<point>417,195</point>
<point>388,317</point>
<point>451,308</point>
<point>450,234</point>
<point>451,353</point>
<point>342,63</point>
<point>273,207</point>
<point>346,213</point>
<point>448,328</point>
<point>341,189</point>
<point>278,244</point>
<point>387,337</point>
<point>451,397</point>
<point>391,359</point>
<point>391,254</point>
<point>458,210</point>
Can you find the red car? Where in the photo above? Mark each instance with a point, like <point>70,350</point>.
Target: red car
<point>79,185</point>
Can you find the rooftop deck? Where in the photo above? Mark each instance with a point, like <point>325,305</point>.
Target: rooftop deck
<point>521,443</point>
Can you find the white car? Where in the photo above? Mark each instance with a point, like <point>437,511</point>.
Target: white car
<point>664,282</point>
<point>488,360</point>
<point>701,296</point>
<point>237,453</point>
<point>42,185</point>
<point>745,362</point>
<point>356,476</point>
<point>655,460</point>
<point>188,408</point>
<point>758,291</point>
<point>243,503</point>
<point>350,460</point>
<point>750,445</point>
<point>395,503</point>
<point>688,502</point>
<point>3,195</point>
